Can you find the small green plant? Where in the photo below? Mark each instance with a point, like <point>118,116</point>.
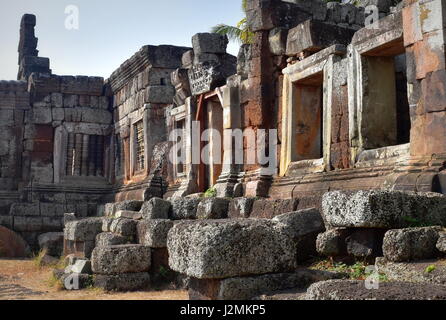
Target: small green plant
<point>210,193</point>
<point>430,268</point>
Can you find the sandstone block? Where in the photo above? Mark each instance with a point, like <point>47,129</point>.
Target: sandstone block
<point>332,242</point>
<point>246,288</point>
<point>156,208</point>
<point>121,259</point>
<point>135,215</point>
<point>83,230</point>
<point>240,207</point>
<point>124,227</point>
<point>209,43</point>
<point>411,244</point>
<point>382,209</point>
<point>356,290</point>
<point>110,239</point>
<point>123,282</point>
<point>213,208</point>
<point>185,208</point>
<point>153,233</point>
<point>224,248</point>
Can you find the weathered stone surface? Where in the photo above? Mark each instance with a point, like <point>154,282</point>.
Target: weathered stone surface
<point>303,227</point>
<point>123,282</point>
<point>365,243</point>
<point>135,215</point>
<point>209,43</point>
<point>129,205</point>
<point>356,290</point>
<point>81,266</point>
<point>83,230</point>
<point>240,207</point>
<point>245,288</point>
<point>213,208</point>
<point>12,245</point>
<point>411,244</point>
<point>277,41</point>
<point>265,208</point>
<point>153,233</point>
<point>52,242</point>
<point>124,227</point>
<point>313,35</point>
<point>185,208</point>
<point>159,94</point>
<point>332,242</point>
<point>413,271</point>
<point>121,259</point>
<point>441,243</point>
<point>224,248</point>
<point>110,239</point>
<point>156,208</point>
<point>382,209</point>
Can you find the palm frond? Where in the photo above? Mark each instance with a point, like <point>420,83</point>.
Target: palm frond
<point>233,33</point>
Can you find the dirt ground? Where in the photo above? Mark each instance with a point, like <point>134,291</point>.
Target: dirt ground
<point>22,280</point>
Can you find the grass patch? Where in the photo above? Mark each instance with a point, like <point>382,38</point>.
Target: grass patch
<point>55,283</point>
<point>356,271</point>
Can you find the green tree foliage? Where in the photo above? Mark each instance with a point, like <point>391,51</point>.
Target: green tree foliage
<point>240,32</point>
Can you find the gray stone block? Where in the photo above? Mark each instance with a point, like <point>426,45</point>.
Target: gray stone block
<point>277,41</point>
<point>411,244</point>
<point>224,248</point>
<point>332,242</point>
<point>156,208</point>
<point>246,288</point>
<point>365,243</point>
<point>83,230</point>
<point>240,207</point>
<point>382,209</point>
<point>124,227</point>
<point>121,259</point>
<point>303,228</point>
<point>110,239</point>
<point>159,94</point>
<point>209,43</point>
<point>135,215</point>
<point>123,282</point>
<point>130,205</point>
<point>153,233</point>
<point>356,290</point>
<point>185,208</point>
<point>213,208</point>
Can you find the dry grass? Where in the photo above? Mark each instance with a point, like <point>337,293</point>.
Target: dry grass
<point>25,273</point>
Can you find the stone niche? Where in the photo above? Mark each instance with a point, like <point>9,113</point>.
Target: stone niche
<point>379,106</point>
<point>306,113</point>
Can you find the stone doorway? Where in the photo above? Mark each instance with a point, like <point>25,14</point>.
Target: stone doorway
<point>212,145</point>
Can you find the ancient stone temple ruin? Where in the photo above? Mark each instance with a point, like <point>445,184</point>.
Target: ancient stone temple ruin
<point>345,117</point>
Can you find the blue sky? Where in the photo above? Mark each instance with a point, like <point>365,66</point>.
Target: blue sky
<point>109,31</point>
